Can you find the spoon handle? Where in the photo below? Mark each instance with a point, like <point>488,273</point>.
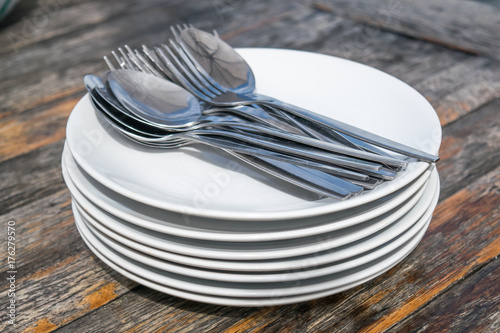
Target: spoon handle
<point>350,130</point>
<point>323,134</point>
<point>323,145</point>
<point>289,148</point>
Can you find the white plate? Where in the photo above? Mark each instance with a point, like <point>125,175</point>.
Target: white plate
<point>297,263</point>
<point>176,224</point>
<point>226,301</point>
<point>251,277</point>
<point>405,216</point>
<point>251,290</point>
<point>208,183</point>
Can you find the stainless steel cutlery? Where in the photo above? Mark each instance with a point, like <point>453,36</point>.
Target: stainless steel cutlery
<point>198,89</point>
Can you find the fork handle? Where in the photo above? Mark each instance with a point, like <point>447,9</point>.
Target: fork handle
<point>312,180</point>
<point>315,181</point>
<point>350,130</point>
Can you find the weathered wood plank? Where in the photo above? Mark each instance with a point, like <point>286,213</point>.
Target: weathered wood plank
<point>43,163</point>
<point>458,222</point>
<point>172,315</point>
<point>464,82</point>
<point>454,82</point>
<point>471,26</point>
<point>35,128</point>
<point>470,148</point>
<point>63,286</point>
<point>39,21</point>
<point>54,267</point>
<point>20,10</point>
<point>68,289</point>
<point>36,232</point>
<point>473,306</point>
<point>30,177</point>
<point>35,75</point>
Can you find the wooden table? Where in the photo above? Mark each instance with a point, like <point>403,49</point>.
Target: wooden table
<point>449,50</point>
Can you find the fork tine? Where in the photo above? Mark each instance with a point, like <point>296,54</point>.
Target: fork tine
<point>136,60</point>
<point>147,64</point>
<point>157,63</point>
<point>109,63</point>
<point>174,32</point>
<point>179,28</point>
<point>189,76</point>
<point>183,81</point>
<point>190,66</point>
<point>125,58</point>
<point>121,62</point>
<point>199,69</point>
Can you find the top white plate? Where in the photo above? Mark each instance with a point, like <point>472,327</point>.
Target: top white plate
<point>205,182</point>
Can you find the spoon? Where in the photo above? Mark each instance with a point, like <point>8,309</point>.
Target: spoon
<point>164,103</point>
<point>151,135</point>
<point>147,134</point>
<point>156,134</point>
<point>315,181</point>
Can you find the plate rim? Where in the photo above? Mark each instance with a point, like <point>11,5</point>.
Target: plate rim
<point>232,276</point>
<point>250,266</point>
<point>225,301</point>
<point>230,292</point>
<point>423,200</point>
<point>234,236</point>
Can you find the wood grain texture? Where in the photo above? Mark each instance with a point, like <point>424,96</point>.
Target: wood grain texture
<point>35,128</point>
<point>79,51</point>
<point>450,278</point>
<point>281,26</point>
<point>371,307</point>
<point>31,176</point>
<point>472,306</point>
<point>470,148</point>
<point>471,26</point>
<point>64,291</point>
<point>55,267</point>
<point>455,83</point>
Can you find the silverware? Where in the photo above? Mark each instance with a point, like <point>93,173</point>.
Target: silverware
<point>143,132</point>
<point>225,79</point>
<point>163,133</point>
<point>176,72</point>
<point>278,165</point>
<point>133,60</point>
<point>134,103</point>
<point>169,106</point>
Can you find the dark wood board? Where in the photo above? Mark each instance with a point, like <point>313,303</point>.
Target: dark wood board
<point>447,50</point>
<point>470,26</point>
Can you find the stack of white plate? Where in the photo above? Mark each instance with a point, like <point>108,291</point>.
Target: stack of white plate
<point>197,224</point>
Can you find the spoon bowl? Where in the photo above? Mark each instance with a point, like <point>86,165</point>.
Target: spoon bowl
<point>154,99</point>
